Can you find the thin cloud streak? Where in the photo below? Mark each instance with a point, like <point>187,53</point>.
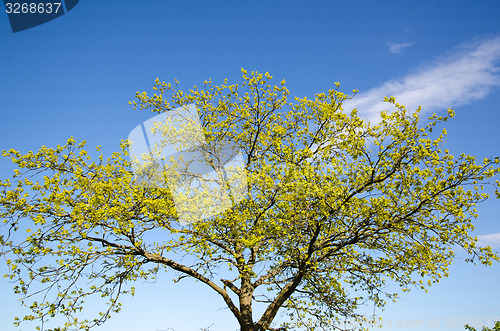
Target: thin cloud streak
<point>396,48</point>
<point>492,239</point>
<point>466,75</point>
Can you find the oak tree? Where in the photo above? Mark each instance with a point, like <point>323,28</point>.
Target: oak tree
<point>333,210</point>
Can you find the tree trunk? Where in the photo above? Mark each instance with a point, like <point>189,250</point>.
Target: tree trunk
<point>246,292</point>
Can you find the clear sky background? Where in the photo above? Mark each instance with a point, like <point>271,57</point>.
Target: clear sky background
<point>75,75</point>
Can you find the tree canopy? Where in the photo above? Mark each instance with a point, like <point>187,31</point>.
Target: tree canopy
<point>333,209</point>
<point>496,327</point>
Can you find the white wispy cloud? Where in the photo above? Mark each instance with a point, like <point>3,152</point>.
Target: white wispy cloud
<point>466,74</point>
<point>396,48</point>
<point>492,239</point>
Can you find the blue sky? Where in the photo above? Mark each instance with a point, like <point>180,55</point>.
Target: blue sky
<point>75,75</point>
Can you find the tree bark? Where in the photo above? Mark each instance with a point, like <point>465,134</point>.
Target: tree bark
<point>245,297</point>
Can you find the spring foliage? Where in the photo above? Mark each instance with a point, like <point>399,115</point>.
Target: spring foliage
<point>496,327</point>
<point>336,209</point>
